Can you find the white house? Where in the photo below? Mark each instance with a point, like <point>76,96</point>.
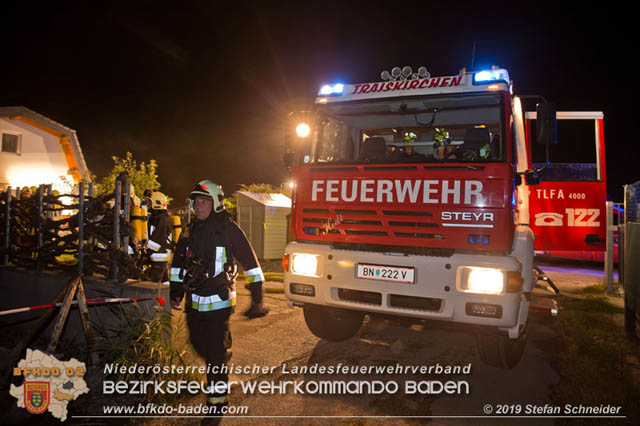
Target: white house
<point>263,217</point>
<point>36,150</point>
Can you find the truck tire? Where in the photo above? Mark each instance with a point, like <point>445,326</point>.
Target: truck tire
<point>332,324</point>
<point>498,350</point>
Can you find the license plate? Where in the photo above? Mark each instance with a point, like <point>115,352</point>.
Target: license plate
<point>385,273</point>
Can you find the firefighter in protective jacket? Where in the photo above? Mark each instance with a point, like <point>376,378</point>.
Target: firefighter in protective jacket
<point>204,269</point>
<point>159,238</point>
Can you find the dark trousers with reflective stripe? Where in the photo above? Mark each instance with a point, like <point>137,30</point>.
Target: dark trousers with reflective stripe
<point>210,336</point>
<point>158,272</point>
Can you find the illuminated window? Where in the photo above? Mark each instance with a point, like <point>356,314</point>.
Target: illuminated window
<point>11,143</point>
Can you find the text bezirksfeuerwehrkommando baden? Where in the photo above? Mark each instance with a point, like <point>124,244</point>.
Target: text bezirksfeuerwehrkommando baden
<point>357,381</point>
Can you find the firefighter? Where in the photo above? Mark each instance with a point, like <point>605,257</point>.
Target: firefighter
<point>146,204</point>
<point>158,246</point>
<point>442,144</point>
<point>204,268</point>
<point>146,199</point>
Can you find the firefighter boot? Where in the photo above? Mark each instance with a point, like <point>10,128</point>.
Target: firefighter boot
<point>256,310</point>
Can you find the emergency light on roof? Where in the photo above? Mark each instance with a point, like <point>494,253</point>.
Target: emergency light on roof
<point>331,90</point>
<point>491,76</point>
<point>405,73</point>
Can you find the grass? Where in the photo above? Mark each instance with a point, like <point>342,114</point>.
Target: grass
<point>599,365</point>
<point>143,338</point>
<point>594,299</point>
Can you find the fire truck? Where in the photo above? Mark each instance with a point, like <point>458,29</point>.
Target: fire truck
<point>412,198</point>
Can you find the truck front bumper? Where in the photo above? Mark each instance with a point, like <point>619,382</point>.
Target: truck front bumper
<point>435,292</point>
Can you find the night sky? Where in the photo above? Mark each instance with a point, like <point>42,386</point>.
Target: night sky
<point>203,87</point>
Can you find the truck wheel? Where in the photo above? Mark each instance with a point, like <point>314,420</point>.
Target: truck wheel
<point>629,318</point>
<point>332,324</point>
<point>498,350</point>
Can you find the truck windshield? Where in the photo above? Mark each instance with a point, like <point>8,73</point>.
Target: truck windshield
<point>435,129</point>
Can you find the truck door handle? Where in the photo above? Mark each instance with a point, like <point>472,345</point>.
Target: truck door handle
<point>593,240</point>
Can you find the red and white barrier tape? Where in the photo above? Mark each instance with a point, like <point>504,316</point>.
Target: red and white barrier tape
<point>94,301</point>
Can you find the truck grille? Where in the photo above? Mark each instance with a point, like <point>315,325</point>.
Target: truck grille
<point>417,224</point>
<point>368,297</point>
<point>383,248</point>
<point>368,222</point>
<point>412,302</point>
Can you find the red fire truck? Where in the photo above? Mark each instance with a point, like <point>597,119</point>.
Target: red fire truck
<point>412,198</point>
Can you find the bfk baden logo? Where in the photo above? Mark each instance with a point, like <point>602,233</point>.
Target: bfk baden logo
<point>36,397</point>
<point>49,384</point>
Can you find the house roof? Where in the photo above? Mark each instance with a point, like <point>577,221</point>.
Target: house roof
<point>46,124</point>
<point>271,200</point>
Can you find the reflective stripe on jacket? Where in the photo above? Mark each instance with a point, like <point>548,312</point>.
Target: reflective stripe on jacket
<point>161,257</point>
<point>174,275</point>
<point>221,259</point>
<point>218,399</point>
<point>211,303</point>
<point>254,275</point>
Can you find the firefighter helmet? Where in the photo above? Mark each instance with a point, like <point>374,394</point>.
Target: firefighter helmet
<point>209,189</point>
<point>441,138</point>
<point>409,137</point>
<point>158,201</point>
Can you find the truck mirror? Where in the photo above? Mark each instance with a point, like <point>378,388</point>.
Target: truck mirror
<point>532,178</point>
<point>546,123</point>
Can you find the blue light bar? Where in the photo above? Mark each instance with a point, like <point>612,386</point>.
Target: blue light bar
<point>479,239</point>
<point>491,76</point>
<point>331,90</point>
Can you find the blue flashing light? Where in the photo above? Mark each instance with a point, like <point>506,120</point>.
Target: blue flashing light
<point>491,76</point>
<point>478,239</point>
<point>331,90</point>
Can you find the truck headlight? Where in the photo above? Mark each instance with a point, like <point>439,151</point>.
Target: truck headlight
<point>304,264</point>
<point>474,279</point>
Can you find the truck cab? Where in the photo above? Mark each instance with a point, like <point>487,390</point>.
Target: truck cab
<point>411,198</point>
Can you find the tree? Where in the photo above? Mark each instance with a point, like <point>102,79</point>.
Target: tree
<point>141,175</point>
